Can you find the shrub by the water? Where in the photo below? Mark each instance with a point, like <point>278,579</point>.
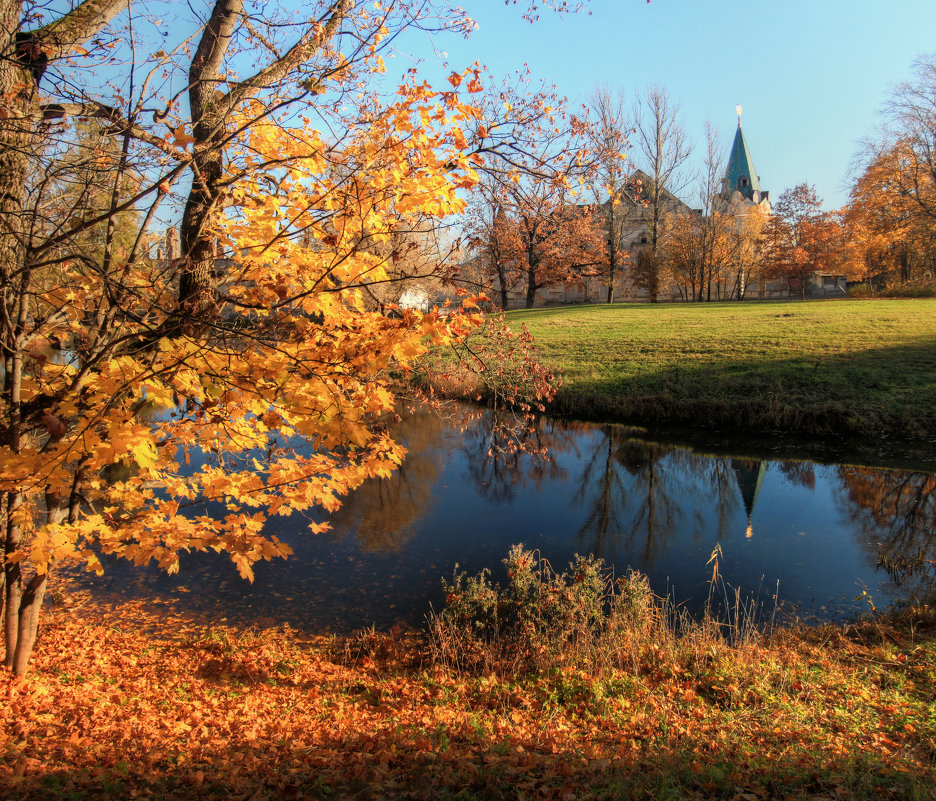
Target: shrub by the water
<point>543,619</point>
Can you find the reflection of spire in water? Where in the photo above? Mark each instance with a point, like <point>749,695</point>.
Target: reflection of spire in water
<point>750,474</point>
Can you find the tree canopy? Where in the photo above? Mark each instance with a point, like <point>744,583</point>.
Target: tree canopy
<point>248,368</point>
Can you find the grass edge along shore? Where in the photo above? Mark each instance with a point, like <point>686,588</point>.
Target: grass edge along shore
<point>859,368</point>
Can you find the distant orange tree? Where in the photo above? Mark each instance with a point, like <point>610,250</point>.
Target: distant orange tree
<point>892,230</point>
<point>527,224</point>
<point>891,216</point>
<point>801,238</point>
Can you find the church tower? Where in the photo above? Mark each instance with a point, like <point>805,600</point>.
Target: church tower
<point>740,176</point>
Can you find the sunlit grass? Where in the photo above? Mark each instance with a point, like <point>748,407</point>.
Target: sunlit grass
<point>863,367</point>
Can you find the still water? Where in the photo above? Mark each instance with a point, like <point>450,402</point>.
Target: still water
<point>814,535</point>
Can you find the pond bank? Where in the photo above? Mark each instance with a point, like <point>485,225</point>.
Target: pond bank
<point>183,710</point>
<point>860,368</point>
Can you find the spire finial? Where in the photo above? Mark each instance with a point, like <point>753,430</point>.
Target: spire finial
<point>738,112</point>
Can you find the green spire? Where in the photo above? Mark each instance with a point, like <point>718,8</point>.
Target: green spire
<point>741,175</point>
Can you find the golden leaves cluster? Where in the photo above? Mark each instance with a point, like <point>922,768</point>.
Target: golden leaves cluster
<point>277,408</point>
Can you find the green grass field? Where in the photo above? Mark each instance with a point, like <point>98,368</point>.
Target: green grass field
<point>858,367</point>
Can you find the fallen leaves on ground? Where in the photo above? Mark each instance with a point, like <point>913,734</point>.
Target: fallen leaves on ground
<point>133,702</point>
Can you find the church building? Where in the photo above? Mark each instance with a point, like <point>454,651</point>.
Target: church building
<point>741,187</point>
<point>741,195</point>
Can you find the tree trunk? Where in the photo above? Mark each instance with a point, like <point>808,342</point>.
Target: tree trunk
<point>502,279</point>
<point>532,263</point>
<point>197,278</point>
<point>12,531</point>
<point>612,253</point>
<point>13,582</point>
<point>531,287</point>
<point>30,606</point>
<point>19,72</point>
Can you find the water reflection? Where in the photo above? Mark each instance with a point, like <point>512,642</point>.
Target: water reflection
<point>385,512</point>
<point>637,495</point>
<point>823,532</point>
<point>505,454</point>
<point>894,515</point>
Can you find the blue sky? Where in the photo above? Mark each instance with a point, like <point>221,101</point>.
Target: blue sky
<point>811,76</point>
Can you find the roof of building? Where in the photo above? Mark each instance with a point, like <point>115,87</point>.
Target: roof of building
<point>635,192</point>
<point>741,175</point>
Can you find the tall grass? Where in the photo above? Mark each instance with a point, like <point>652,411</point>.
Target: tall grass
<point>583,619</point>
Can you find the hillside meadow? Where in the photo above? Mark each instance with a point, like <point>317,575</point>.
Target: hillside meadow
<point>856,367</point>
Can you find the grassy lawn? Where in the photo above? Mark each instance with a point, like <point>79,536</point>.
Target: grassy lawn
<point>862,367</point>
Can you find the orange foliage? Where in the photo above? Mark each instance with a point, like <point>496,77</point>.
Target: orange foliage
<point>181,712</point>
<point>801,238</point>
<point>890,229</point>
<point>278,404</point>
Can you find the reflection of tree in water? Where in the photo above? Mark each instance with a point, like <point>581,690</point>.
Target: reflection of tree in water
<point>895,515</point>
<point>504,452</point>
<point>799,474</point>
<point>636,494</point>
<point>383,511</point>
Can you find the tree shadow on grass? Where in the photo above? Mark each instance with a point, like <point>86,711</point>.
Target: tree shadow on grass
<point>871,392</point>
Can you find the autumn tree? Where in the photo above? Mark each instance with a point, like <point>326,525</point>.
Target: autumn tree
<point>745,235</point>
<point>891,214</point>
<point>608,139</point>
<point>696,247</point>
<point>683,252</point>
<point>153,360</point>
<point>884,221</point>
<point>801,238</point>
<point>489,242</point>
<point>715,254</point>
<point>551,239</point>
<point>911,121</point>
<point>527,219</point>
<point>663,149</point>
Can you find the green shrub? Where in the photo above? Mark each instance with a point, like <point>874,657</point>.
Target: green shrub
<point>860,291</point>
<point>542,619</point>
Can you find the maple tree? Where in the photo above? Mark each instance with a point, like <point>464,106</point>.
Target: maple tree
<point>268,368</point>
<point>299,358</point>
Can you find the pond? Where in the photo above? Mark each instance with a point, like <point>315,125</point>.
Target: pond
<point>803,535</point>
